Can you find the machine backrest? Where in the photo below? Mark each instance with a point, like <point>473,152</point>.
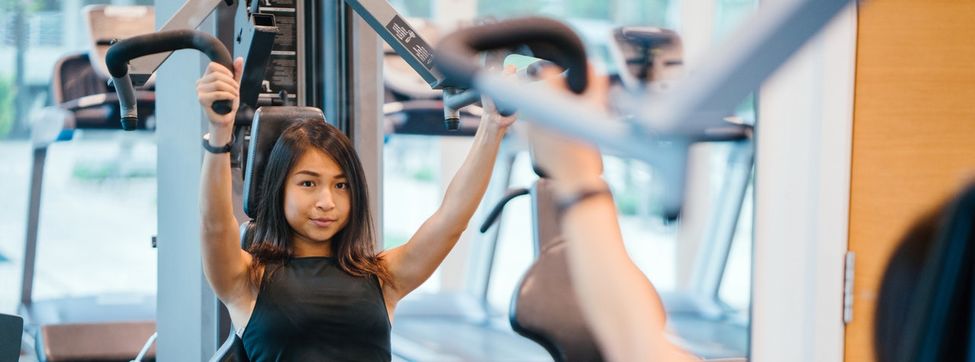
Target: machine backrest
<point>74,78</point>
<point>108,22</point>
<point>85,74</point>
<point>76,87</point>
<point>266,127</point>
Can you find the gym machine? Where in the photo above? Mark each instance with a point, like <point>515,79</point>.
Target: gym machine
<point>296,70</point>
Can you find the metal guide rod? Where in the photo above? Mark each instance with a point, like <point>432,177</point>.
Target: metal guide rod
<point>410,45</point>
<point>406,41</point>
<point>739,66</point>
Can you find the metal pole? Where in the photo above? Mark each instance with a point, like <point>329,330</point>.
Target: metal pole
<point>186,307</point>
<point>33,220</point>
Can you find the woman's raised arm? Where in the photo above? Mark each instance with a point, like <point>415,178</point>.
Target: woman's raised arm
<point>225,264</point>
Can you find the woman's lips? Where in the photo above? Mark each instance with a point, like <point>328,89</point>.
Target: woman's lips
<point>323,223</point>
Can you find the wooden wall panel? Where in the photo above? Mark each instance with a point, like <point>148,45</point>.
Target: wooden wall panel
<point>913,132</point>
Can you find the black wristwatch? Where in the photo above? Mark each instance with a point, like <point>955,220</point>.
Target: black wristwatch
<point>226,148</point>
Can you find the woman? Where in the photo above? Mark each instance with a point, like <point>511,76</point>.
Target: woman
<point>311,287</point>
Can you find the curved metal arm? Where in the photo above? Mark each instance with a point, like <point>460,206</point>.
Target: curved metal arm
<point>118,57</point>
<point>499,207</point>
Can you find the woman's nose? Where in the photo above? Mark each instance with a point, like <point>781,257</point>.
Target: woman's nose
<point>325,201</point>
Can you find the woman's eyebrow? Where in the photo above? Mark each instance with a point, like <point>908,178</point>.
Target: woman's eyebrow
<point>309,173</point>
<point>318,175</point>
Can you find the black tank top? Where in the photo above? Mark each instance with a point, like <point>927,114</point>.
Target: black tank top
<point>311,310</point>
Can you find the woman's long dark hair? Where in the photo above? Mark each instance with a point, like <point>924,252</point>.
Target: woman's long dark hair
<point>353,245</point>
<point>901,284</point>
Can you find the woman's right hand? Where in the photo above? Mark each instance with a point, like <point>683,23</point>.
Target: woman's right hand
<point>573,163</point>
<point>218,83</point>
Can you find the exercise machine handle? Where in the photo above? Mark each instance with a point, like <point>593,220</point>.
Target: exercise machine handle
<point>118,57</point>
<point>547,38</point>
<point>499,207</point>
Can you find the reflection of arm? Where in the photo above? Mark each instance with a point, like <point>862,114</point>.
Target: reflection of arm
<point>620,305</point>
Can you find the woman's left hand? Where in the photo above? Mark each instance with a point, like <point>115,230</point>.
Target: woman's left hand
<point>491,114</point>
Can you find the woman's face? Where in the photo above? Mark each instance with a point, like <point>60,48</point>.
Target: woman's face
<point>316,197</point>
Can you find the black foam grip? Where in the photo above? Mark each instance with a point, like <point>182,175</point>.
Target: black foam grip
<point>118,56</point>
<point>222,106</point>
<point>547,38</point>
<point>130,123</point>
<point>121,53</point>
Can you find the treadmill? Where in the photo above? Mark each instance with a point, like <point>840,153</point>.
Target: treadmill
<point>105,328</point>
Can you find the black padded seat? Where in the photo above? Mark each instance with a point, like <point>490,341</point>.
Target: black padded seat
<point>267,125</point>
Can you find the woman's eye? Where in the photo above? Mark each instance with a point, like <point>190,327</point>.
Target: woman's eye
<point>342,185</point>
<point>307,183</point>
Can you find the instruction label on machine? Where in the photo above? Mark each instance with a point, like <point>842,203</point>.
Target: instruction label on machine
<point>412,41</point>
<point>282,69</point>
